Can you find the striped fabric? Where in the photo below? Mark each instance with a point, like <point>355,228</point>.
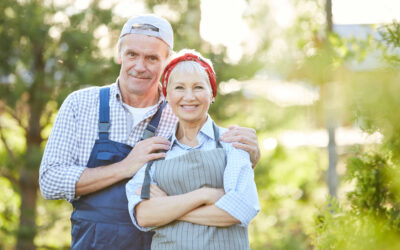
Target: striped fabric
<point>198,237</point>
<point>186,173</point>
<point>190,171</point>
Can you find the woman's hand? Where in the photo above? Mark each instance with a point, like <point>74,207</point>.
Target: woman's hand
<point>244,138</point>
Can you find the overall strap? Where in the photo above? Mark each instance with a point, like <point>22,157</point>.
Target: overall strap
<point>104,113</point>
<point>151,128</point>
<point>150,131</point>
<point>145,194</point>
<point>216,136</point>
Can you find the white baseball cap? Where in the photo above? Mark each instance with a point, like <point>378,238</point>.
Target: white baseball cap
<point>150,25</point>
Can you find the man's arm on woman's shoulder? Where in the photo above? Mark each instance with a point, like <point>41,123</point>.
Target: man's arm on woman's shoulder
<point>244,138</point>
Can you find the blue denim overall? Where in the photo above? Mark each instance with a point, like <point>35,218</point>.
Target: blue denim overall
<point>101,220</point>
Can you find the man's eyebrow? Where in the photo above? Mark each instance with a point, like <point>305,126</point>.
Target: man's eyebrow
<point>128,50</point>
<point>153,55</point>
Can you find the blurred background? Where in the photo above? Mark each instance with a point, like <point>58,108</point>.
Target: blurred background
<point>318,79</point>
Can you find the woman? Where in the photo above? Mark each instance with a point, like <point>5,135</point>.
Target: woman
<point>205,195</point>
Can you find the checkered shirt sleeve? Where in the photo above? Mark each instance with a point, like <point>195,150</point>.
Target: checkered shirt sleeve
<point>241,198</point>
<point>58,170</point>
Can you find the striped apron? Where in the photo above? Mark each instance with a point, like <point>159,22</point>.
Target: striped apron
<point>185,173</point>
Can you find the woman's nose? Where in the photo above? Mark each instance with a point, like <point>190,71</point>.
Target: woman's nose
<point>189,94</point>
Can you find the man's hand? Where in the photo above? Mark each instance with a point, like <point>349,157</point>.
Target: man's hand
<point>244,138</point>
<point>155,191</point>
<point>143,152</point>
<point>94,179</point>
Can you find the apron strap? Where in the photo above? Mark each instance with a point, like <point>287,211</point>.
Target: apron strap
<point>145,194</point>
<point>150,130</point>
<point>104,113</point>
<point>216,136</point>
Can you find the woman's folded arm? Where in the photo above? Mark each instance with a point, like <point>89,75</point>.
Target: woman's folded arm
<point>210,215</point>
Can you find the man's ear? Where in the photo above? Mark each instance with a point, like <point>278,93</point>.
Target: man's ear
<point>119,59</point>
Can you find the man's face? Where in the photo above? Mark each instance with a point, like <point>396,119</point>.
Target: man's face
<point>142,60</point>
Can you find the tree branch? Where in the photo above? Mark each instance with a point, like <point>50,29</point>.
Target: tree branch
<point>14,115</point>
<point>6,174</point>
<point>3,139</point>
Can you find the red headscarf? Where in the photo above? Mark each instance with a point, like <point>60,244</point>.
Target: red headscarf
<point>189,57</point>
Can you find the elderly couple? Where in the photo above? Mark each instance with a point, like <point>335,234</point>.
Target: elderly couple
<point>143,164</point>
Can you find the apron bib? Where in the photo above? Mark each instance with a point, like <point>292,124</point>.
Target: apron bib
<point>185,173</point>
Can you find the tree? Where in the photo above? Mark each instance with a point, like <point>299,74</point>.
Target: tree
<point>322,68</point>
<point>45,54</point>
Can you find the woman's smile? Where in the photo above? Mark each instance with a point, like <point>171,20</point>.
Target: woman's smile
<point>190,107</point>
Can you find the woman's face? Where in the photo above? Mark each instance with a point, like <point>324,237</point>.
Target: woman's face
<point>190,96</point>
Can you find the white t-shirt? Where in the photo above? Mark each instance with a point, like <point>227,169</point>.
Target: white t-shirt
<point>137,114</point>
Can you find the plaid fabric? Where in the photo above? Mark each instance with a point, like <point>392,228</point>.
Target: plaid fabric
<point>75,131</point>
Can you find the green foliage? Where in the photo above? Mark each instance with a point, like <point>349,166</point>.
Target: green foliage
<point>391,37</point>
<point>371,193</point>
<point>53,224</point>
<point>290,187</point>
<point>9,203</point>
<point>372,218</point>
<point>337,229</point>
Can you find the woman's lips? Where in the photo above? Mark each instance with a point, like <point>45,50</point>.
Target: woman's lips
<point>189,107</point>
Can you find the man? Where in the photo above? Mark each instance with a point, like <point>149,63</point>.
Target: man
<point>102,136</point>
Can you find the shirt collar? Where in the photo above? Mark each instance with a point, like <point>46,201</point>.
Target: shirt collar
<point>116,91</point>
<point>206,130</point>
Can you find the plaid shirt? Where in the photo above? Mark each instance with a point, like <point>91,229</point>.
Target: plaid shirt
<point>75,132</point>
